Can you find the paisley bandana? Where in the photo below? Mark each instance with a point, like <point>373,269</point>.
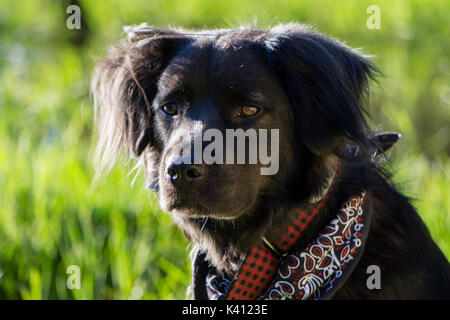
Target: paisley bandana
<point>315,272</point>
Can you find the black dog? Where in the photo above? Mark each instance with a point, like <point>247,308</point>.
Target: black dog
<point>325,219</point>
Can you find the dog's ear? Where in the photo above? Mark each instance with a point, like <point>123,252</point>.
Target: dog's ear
<point>325,82</point>
<point>124,86</point>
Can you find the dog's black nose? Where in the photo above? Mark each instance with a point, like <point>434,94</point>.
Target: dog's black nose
<point>182,174</point>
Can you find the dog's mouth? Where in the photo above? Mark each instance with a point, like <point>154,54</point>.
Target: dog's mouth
<point>184,207</point>
<point>202,206</point>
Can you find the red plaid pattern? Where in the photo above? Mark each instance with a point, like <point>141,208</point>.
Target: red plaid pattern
<point>302,221</point>
<point>324,260</point>
<point>255,274</point>
<point>294,231</point>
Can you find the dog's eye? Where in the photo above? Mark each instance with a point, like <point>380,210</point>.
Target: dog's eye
<point>248,111</point>
<point>171,109</point>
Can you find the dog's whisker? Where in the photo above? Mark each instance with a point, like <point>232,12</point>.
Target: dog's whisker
<point>153,185</point>
<point>204,223</point>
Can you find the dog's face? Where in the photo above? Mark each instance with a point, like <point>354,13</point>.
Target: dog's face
<point>216,86</point>
<point>166,85</point>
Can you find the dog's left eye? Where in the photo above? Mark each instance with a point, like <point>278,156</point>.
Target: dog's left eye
<point>248,111</point>
<point>170,108</point>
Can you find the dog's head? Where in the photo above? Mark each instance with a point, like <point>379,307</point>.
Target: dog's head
<point>162,89</point>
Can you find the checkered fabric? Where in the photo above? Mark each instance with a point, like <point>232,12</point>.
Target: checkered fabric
<point>255,274</point>
<point>299,224</point>
<point>302,220</point>
<point>316,271</point>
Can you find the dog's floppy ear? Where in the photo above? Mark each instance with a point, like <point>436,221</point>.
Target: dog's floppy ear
<point>123,87</point>
<point>325,82</point>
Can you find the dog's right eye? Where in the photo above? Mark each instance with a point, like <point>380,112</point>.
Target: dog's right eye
<point>170,109</point>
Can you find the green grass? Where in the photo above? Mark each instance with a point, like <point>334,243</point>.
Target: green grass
<point>124,245</point>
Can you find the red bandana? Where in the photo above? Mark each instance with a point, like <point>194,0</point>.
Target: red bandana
<point>312,273</point>
<point>318,270</point>
<point>262,262</point>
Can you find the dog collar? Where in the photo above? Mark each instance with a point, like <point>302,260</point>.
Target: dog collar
<point>316,272</point>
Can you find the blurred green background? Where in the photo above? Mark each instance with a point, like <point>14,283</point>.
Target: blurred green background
<point>124,245</point>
